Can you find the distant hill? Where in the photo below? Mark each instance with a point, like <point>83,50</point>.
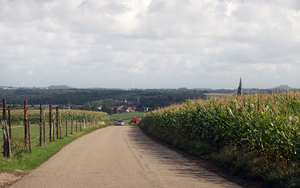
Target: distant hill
<point>283,87</point>
<point>59,87</point>
<point>7,87</point>
<point>203,89</point>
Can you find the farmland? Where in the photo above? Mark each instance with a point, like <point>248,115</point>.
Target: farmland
<point>130,115</point>
<point>78,117</point>
<point>17,116</point>
<point>255,136</point>
<point>208,95</point>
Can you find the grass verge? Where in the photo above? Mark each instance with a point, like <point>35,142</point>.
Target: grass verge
<point>129,115</point>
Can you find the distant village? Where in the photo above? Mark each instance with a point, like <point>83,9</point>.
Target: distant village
<point>129,107</point>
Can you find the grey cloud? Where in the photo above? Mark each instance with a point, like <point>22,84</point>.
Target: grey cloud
<point>196,43</point>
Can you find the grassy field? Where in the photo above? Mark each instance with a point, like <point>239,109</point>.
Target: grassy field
<point>17,130</point>
<point>126,116</point>
<point>17,119</point>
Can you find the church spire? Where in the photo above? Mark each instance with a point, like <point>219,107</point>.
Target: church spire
<point>239,92</point>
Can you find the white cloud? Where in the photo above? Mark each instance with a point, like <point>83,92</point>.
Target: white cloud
<point>197,43</point>
<point>30,72</point>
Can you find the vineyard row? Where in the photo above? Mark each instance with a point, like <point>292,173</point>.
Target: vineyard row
<point>42,121</point>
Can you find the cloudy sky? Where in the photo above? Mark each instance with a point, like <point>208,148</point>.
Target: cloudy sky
<point>150,43</point>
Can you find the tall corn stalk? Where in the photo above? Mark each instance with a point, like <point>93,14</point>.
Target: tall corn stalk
<point>268,123</point>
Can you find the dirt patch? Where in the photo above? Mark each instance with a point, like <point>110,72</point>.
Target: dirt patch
<point>8,178</point>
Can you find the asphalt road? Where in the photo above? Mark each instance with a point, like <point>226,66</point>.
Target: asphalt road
<point>120,156</point>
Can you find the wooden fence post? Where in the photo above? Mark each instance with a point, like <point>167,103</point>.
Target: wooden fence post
<point>4,140</point>
<point>53,129</point>
<point>76,124</point>
<point>29,137</point>
<point>26,123</point>
<point>9,122</point>
<point>60,131</point>
<point>72,125</point>
<point>80,124</point>
<point>44,129</point>
<point>66,127</point>
<point>41,124</point>
<point>6,144</point>
<point>50,121</point>
<point>57,122</point>
<point>4,110</point>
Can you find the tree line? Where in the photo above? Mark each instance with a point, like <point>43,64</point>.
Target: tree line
<point>90,99</point>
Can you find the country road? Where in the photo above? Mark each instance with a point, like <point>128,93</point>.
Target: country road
<point>120,156</point>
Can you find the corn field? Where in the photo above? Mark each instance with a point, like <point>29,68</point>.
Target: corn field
<point>268,123</point>
<point>17,116</point>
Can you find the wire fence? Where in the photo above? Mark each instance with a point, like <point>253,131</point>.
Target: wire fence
<point>37,127</point>
<point>17,131</point>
